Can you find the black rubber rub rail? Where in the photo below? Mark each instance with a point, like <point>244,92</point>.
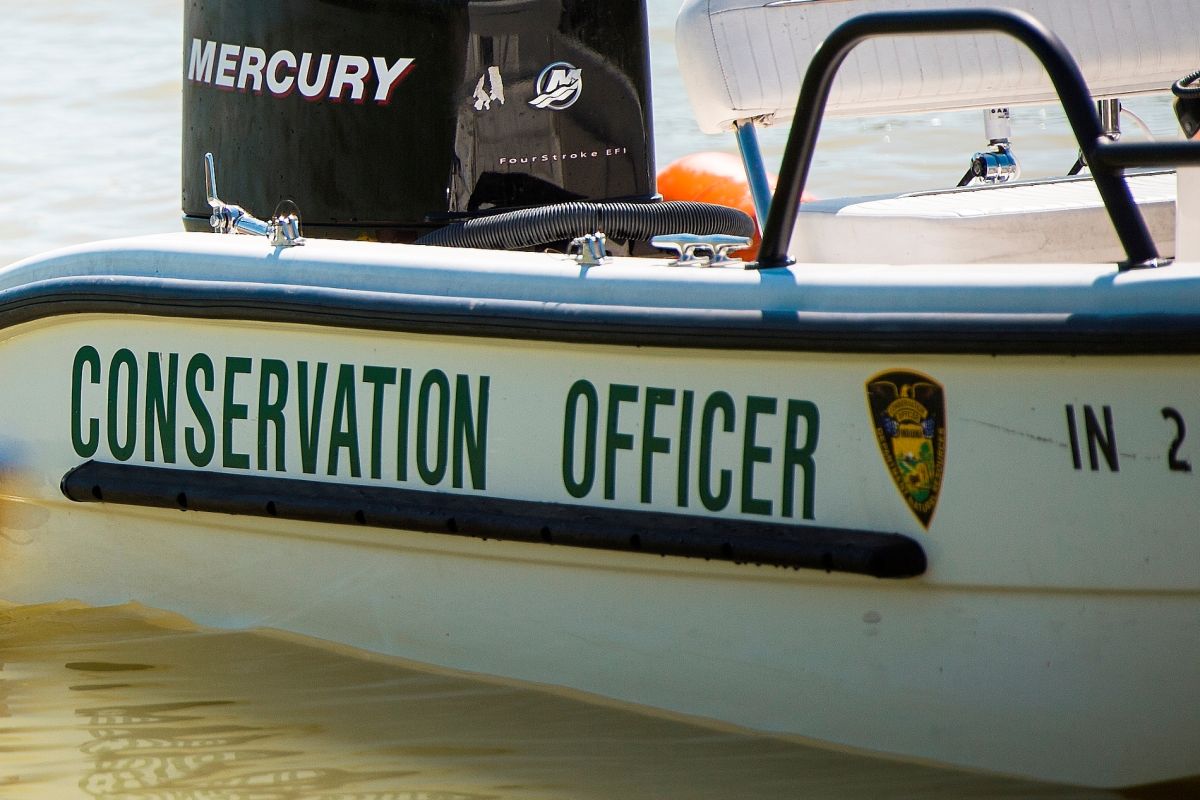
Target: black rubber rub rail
<point>882,555</point>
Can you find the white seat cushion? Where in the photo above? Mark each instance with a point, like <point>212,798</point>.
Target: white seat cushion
<point>1056,221</point>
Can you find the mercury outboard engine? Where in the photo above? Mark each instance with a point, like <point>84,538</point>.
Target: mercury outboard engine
<point>388,119</point>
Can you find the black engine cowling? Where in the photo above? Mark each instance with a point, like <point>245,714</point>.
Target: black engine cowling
<point>384,119</point>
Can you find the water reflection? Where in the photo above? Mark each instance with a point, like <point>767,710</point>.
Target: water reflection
<point>168,751</point>
<point>127,704</point>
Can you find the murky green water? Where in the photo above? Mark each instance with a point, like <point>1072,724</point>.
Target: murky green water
<point>125,703</point>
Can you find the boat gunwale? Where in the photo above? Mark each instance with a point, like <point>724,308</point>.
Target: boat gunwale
<point>924,333</point>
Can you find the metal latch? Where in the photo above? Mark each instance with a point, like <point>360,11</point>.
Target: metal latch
<point>718,245</point>
<point>283,230</point>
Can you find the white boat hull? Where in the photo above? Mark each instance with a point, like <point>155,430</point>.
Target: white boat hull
<point>1055,633</point>
<point>1063,686</point>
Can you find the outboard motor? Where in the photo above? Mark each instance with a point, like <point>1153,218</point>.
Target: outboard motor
<point>385,119</point>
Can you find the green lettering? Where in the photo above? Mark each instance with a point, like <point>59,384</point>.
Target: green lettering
<point>161,405</point>
<point>717,401</point>
<point>470,431</point>
<point>614,440</point>
<point>234,366</point>
<point>580,389</point>
<point>685,448</point>
<point>754,454</point>
<point>433,474</point>
<point>344,435</point>
<point>270,410</point>
<point>84,448</point>
<point>379,378</point>
<point>311,404</point>
<point>200,363</point>
<point>797,455</point>
<point>123,358</point>
<point>652,444</point>
<point>402,414</point>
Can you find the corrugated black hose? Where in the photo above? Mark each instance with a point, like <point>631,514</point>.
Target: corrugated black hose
<point>530,227</point>
<point>1187,107</point>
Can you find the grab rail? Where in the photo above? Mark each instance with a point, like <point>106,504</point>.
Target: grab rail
<point>1106,158</point>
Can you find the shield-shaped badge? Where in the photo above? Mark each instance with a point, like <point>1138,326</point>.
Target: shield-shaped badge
<point>908,412</point>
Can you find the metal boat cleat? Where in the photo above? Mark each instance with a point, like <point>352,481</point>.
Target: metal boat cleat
<point>685,245</point>
<point>283,230</point>
<point>589,250</point>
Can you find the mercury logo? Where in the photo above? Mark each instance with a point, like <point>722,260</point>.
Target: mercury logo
<point>558,86</point>
<point>243,68</point>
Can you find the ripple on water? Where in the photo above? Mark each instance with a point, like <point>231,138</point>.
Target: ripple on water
<point>199,714</point>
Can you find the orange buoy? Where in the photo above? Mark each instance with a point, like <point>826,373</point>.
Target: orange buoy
<point>713,178</point>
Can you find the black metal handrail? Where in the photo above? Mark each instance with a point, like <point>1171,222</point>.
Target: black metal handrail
<point>1106,158</point>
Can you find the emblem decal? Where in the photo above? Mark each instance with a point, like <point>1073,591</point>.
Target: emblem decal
<point>495,90</point>
<point>558,86</point>
<point>908,413</point>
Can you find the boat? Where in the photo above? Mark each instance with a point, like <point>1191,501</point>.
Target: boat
<point>919,480</point>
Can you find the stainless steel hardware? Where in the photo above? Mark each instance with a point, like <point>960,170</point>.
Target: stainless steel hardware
<point>999,164</point>
<point>283,230</point>
<point>686,245</point>
<point>589,250</point>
